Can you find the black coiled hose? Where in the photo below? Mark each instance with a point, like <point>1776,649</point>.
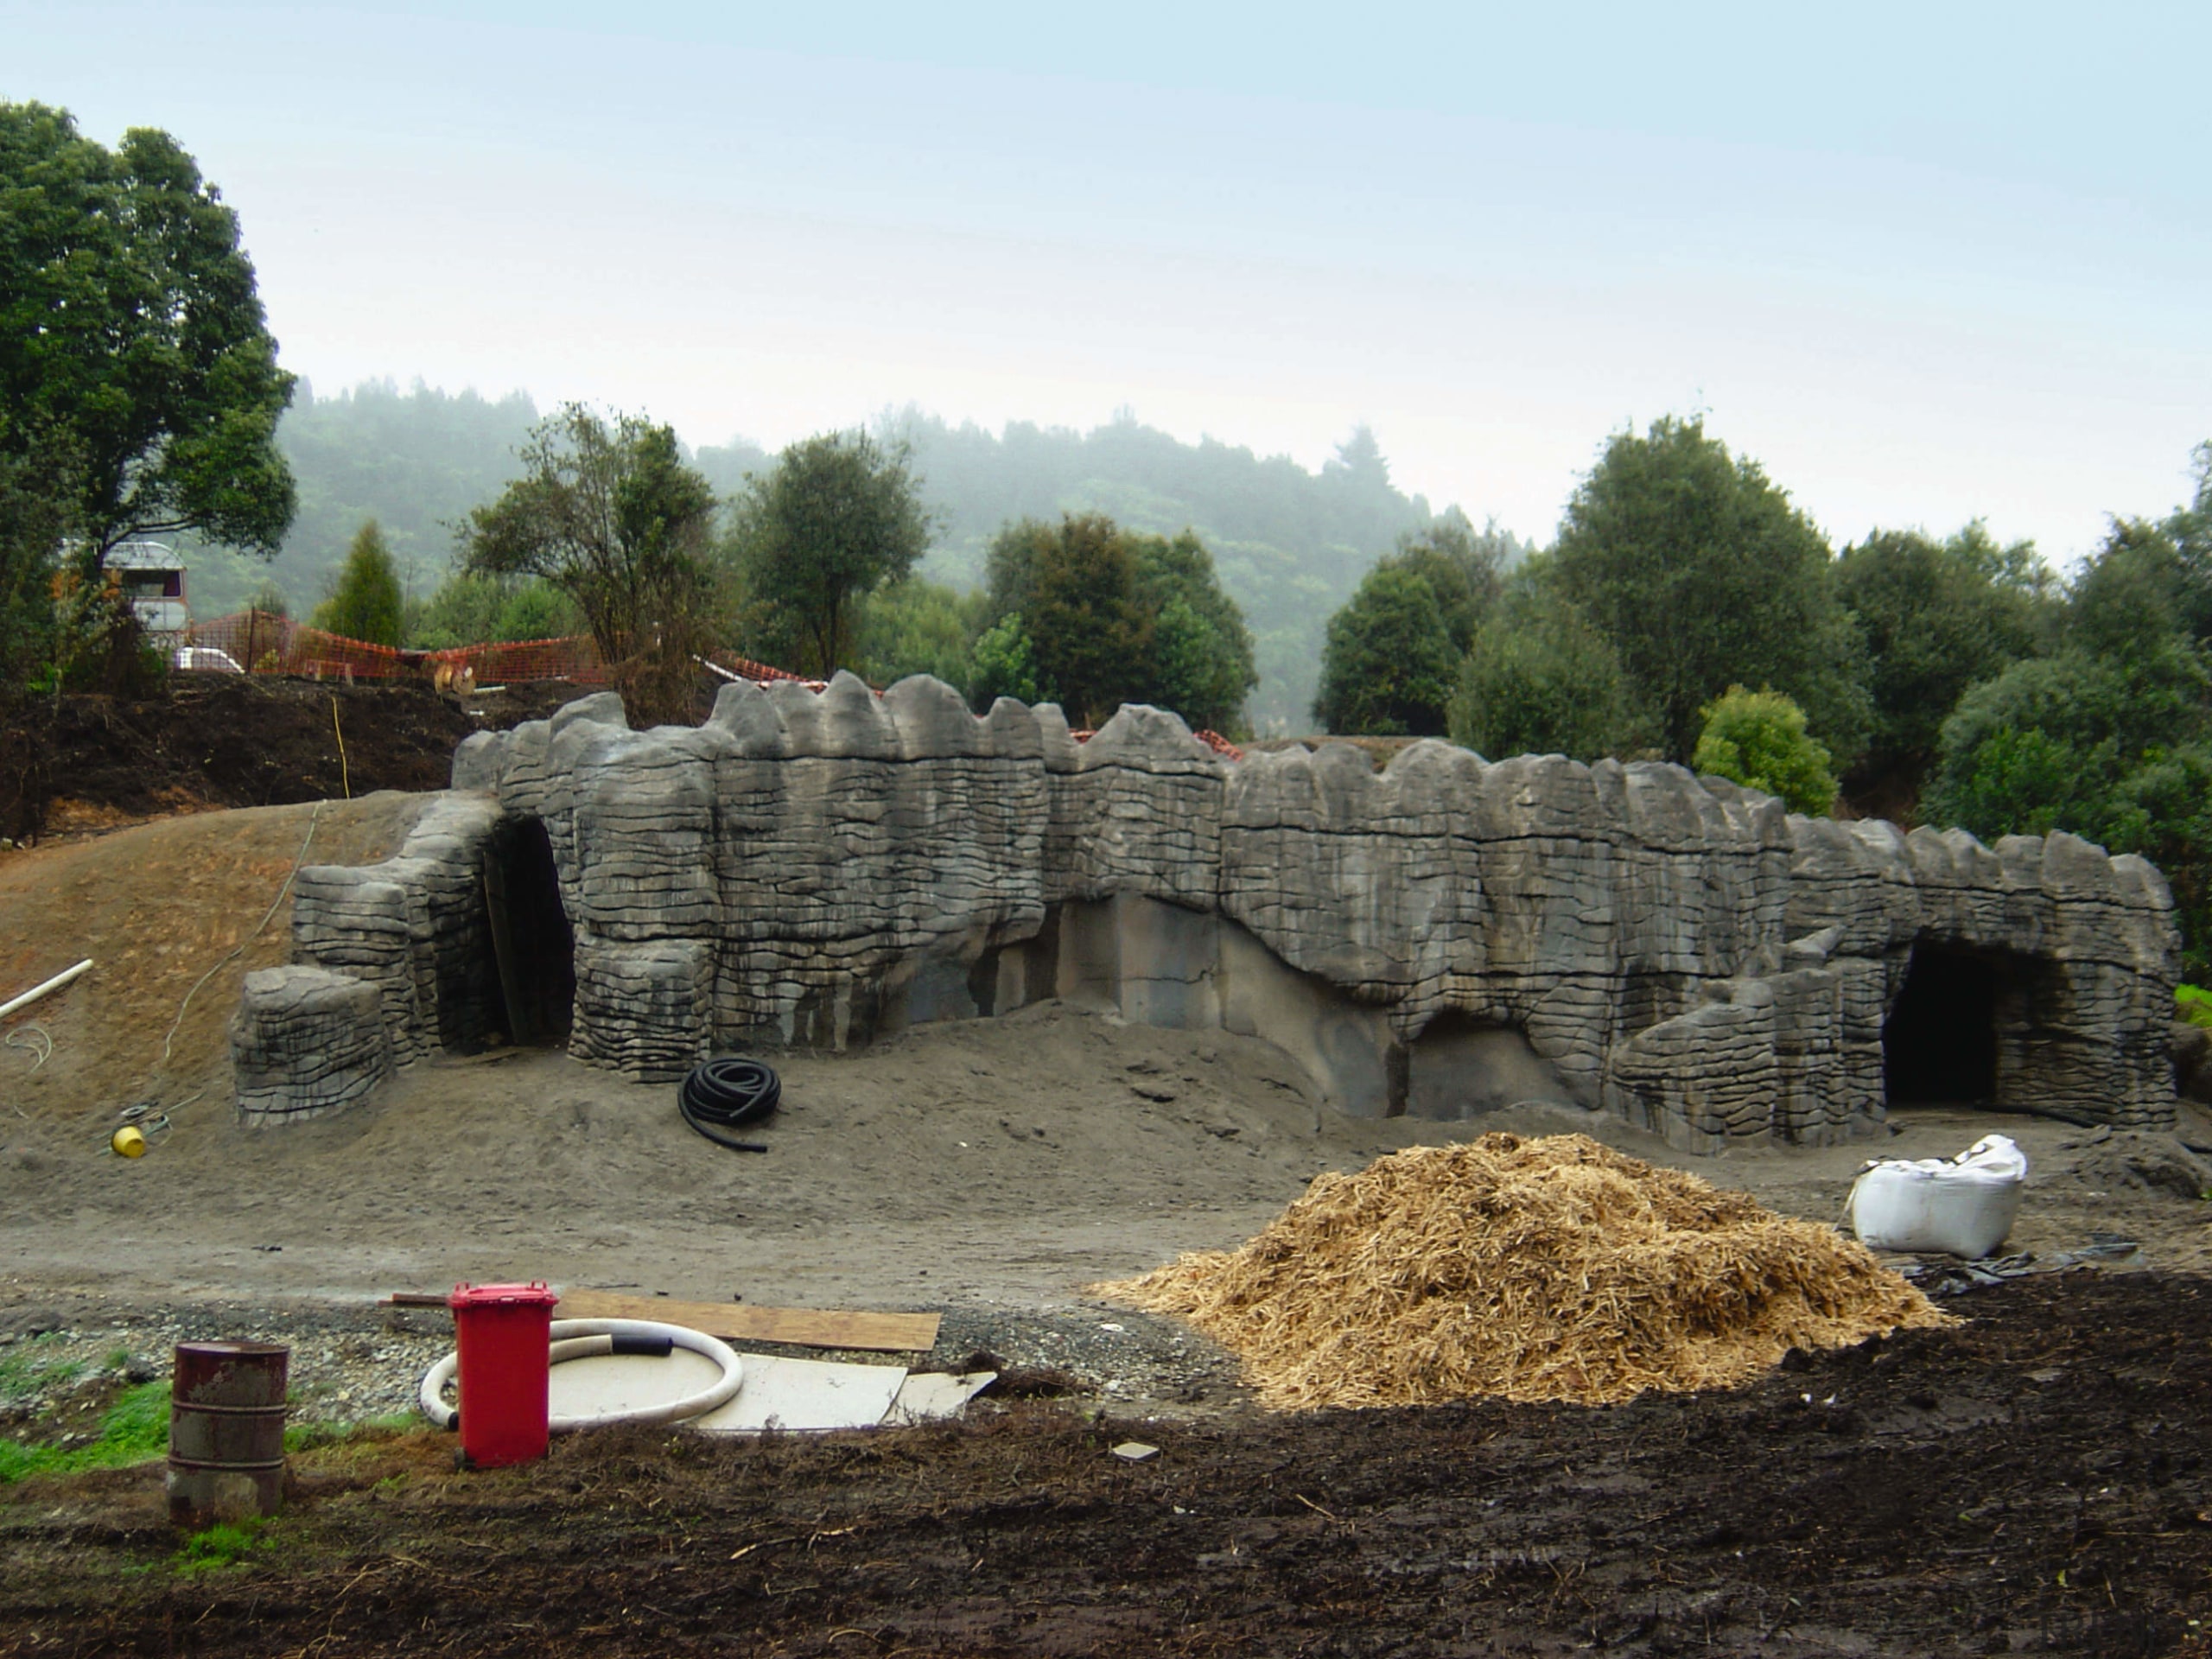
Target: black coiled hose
<point>728,1093</point>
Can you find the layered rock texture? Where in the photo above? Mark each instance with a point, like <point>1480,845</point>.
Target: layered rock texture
<point>1446,935</point>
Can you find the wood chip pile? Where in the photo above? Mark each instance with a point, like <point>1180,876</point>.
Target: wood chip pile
<point>1538,1269</point>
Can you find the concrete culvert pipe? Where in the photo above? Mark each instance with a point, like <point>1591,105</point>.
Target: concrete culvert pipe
<point>583,1339</point>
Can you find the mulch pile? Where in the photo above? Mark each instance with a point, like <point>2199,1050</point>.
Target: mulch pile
<point>1550,1269</point>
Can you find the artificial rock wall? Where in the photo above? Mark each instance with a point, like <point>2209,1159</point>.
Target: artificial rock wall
<point>1445,934</point>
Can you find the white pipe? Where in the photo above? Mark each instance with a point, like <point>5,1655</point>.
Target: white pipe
<point>597,1337</point>
<point>36,992</point>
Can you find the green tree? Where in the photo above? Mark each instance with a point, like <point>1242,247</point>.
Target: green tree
<point>534,610</point>
<point>1006,666</point>
<point>1540,680</point>
<point>366,604</point>
<point>1087,621</point>
<point>1936,617</point>
<point>33,525</point>
<point>838,517</point>
<point>1098,615</point>
<point>1388,667</point>
<point>2109,748</point>
<point>132,341</point>
<point>1758,739</point>
<point>1201,660</point>
<point>914,626</point>
<point>1702,575</point>
<point>1465,568</point>
<point>613,517</point>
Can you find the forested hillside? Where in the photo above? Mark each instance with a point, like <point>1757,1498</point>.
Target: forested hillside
<point>1289,544</point>
<point>415,461</point>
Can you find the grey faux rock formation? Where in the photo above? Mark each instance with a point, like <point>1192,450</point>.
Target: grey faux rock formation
<point>305,1041</point>
<point>1445,934</point>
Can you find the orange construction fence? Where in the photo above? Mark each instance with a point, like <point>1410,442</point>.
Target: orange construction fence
<point>262,642</point>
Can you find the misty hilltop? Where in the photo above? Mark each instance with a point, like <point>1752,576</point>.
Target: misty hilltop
<point>1289,544</point>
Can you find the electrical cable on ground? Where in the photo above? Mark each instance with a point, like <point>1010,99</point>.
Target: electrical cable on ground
<point>727,1093</point>
<point>298,859</point>
<point>345,777</point>
<point>44,1036</point>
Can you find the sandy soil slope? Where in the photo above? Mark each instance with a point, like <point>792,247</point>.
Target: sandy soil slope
<point>994,1162</point>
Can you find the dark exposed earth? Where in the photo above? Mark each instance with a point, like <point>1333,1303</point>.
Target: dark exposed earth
<point>2035,1480</point>
<point>205,741</point>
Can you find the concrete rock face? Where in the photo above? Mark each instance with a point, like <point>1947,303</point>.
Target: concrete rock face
<point>1444,936</point>
<point>306,1041</point>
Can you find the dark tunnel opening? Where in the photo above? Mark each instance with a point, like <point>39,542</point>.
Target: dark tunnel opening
<point>1939,1044</point>
<point>531,943</point>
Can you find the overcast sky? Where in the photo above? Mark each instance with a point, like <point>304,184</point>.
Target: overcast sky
<point>1925,263</point>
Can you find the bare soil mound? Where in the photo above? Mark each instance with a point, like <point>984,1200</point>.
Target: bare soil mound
<point>228,740</point>
<point>156,906</point>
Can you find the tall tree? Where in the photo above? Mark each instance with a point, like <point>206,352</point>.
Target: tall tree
<point>1702,575</point>
<point>1098,615</point>
<point>1201,660</point>
<point>1465,568</point>
<point>1540,680</point>
<point>1086,619</point>
<point>614,517</point>
<point>2111,736</point>
<point>838,516</point>
<point>366,604</point>
<point>1936,617</point>
<point>1388,666</point>
<point>132,342</point>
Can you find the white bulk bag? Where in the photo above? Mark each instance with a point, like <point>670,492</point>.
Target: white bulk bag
<point>1960,1206</point>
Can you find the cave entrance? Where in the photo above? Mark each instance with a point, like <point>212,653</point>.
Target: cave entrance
<point>1460,1068</point>
<point>1939,1044</point>
<point>531,944</point>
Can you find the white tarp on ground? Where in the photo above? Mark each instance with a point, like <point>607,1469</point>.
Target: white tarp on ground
<point>793,1394</point>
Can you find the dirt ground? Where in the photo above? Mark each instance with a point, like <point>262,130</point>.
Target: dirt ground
<point>2034,1480</point>
<point>229,740</point>
<point>997,1163</point>
<point>991,1169</point>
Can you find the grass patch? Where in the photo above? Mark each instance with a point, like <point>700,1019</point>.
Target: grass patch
<point>308,1437</point>
<point>135,1429</point>
<point>218,1548</point>
<point>2194,1004</point>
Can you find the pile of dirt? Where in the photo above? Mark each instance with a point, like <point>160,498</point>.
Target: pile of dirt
<point>1550,1270</point>
<point>208,741</point>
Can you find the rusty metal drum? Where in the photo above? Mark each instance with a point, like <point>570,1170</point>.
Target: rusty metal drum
<point>226,1430</point>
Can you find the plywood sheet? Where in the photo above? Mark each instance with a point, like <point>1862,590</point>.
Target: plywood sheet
<point>804,1327</point>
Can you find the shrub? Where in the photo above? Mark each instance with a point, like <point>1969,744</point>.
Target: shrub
<point>1758,739</point>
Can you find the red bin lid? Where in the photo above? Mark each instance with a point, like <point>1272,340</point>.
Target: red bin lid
<point>533,1295</point>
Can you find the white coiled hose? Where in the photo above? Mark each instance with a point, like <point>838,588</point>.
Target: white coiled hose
<point>580,1339</point>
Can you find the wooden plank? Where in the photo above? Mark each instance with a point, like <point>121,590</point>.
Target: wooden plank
<point>803,1327</point>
